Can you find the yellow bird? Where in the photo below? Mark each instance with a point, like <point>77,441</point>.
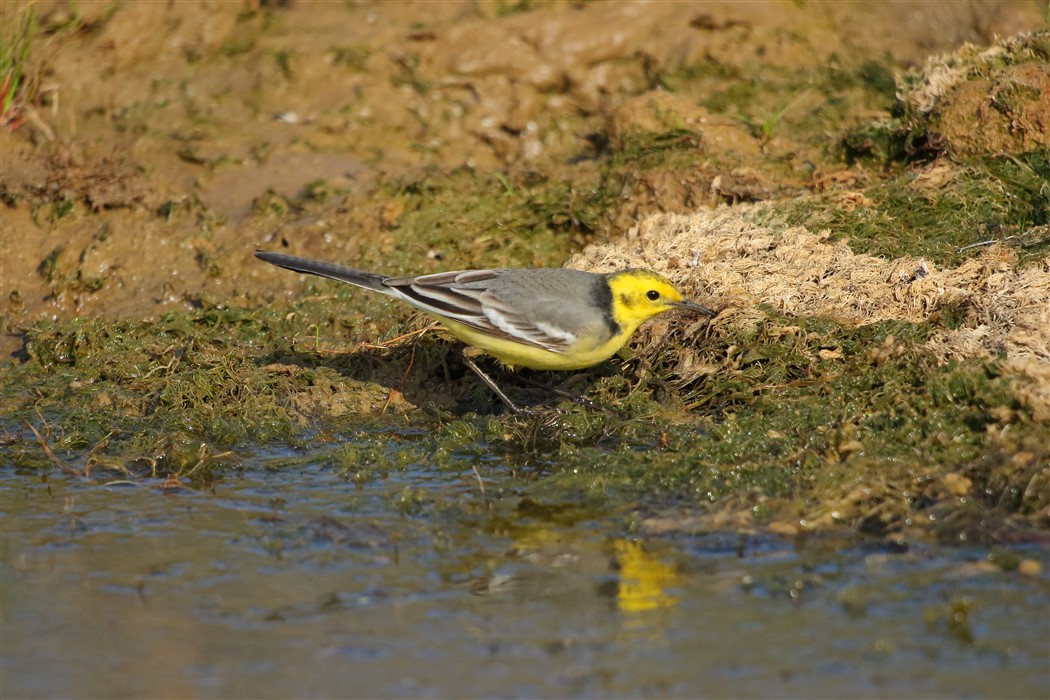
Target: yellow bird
<point>539,318</point>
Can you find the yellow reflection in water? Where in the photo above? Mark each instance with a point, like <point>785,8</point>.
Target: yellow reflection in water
<point>644,579</point>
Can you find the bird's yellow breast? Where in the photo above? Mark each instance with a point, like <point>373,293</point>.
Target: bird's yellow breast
<point>583,353</point>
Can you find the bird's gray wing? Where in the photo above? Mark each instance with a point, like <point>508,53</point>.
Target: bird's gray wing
<point>486,301</point>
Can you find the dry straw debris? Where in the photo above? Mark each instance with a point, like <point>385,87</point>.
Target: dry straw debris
<point>728,258</point>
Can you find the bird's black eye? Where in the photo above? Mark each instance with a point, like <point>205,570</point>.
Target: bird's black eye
<point>652,295</point>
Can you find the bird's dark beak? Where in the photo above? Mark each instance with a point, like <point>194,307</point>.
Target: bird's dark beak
<point>693,306</point>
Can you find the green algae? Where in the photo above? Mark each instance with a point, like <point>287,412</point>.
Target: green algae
<point>802,106</point>
<point>776,433</point>
<point>975,203</point>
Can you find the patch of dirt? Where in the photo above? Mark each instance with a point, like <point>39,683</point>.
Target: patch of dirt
<point>1004,88</point>
<point>1012,108</point>
<point>66,175</point>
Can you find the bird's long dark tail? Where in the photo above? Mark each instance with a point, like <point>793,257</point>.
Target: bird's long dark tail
<point>368,280</point>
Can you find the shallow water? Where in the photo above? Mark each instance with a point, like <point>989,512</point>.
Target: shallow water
<point>297,582</point>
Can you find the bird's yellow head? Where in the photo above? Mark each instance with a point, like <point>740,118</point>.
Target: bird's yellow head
<point>638,295</point>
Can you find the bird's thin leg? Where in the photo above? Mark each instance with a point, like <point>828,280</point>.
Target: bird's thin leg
<point>491,384</point>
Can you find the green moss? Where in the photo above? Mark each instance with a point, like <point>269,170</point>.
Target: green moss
<point>467,217</point>
<point>506,8</point>
<point>867,438</point>
<point>781,433</point>
<point>155,394</point>
<point>800,106</point>
<point>882,142</point>
<point>353,58</point>
<point>983,200</point>
<point>879,78</point>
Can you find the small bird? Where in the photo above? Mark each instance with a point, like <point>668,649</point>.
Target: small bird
<point>539,318</point>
